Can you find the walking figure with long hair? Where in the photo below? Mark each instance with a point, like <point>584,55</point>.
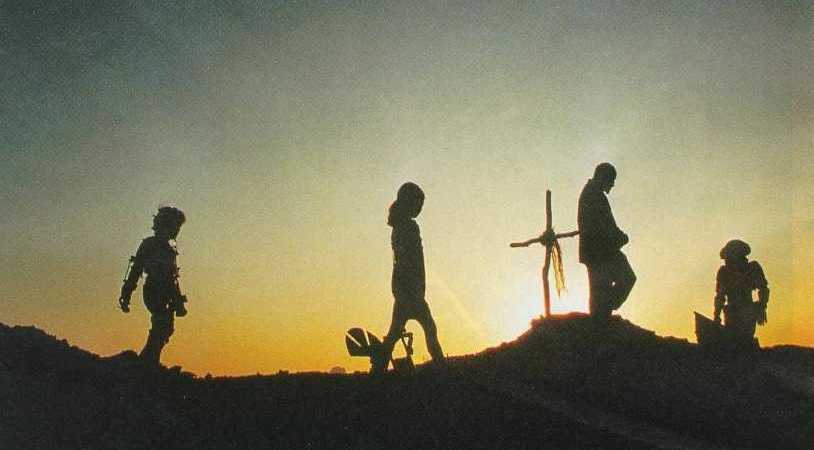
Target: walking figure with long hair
<point>409,278</point>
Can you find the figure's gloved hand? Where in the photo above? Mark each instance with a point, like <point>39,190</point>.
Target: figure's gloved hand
<point>178,306</point>
<point>719,306</point>
<point>760,313</point>
<point>124,295</point>
<point>124,304</point>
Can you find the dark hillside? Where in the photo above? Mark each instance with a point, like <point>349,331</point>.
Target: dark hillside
<point>559,385</point>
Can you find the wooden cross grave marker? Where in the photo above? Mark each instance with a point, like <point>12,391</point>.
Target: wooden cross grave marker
<point>549,240</point>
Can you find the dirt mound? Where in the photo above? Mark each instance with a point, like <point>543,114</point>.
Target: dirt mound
<point>562,384</point>
<point>54,395</point>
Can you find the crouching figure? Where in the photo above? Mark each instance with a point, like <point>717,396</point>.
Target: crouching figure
<point>736,280</point>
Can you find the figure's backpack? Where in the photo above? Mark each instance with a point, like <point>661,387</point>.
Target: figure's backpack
<point>713,336</point>
<point>364,343</point>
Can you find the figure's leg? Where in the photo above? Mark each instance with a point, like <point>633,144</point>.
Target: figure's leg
<point>623,280</point>
<point>160,332</point>
<point>741,321</point>
<point>381,354</point>
<point>424,318</point>
<point>750,341</point>
<point>599,286</point>
<point>150,352</point>
<point>752,321</point>
<point>736,326</point>
<point>162,327</point>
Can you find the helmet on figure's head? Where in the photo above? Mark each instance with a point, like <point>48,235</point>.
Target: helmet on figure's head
<point>735,249</point>
<point>168,218</point>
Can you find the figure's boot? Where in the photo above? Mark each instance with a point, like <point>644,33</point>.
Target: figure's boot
<point>379,360</point>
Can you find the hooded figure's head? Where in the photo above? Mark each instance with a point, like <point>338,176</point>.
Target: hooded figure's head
<point>605,176</point>
<point>408,204</point>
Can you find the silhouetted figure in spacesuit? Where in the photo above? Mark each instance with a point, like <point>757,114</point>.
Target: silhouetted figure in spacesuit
<point>157,257</point>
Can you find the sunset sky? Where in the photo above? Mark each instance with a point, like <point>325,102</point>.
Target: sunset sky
<point>284,129</point>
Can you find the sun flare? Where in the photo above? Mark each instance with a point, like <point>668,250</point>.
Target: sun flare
<point>575,299</point>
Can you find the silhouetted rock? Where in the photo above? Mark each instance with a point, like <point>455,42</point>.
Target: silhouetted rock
<point>561,384</point>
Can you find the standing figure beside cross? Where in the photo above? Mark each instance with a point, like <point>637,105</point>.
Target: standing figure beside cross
<point>610,276</point>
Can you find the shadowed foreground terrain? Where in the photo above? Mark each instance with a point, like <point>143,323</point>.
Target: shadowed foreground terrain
<point>557,386</point>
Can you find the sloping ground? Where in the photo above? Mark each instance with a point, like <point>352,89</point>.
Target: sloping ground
<point>560,385</point>
<point>664,388</point>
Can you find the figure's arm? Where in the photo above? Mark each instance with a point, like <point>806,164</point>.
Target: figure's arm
<point>763,296</point>
<point>621,238</point>
<point>761,317</point>
<point>409,276</point>
<point>178,300</point>
<point>177,295</point>
<point>719,306</point>
<point>762,285</point>
<point>588,218</point>
<point>131,277</point>
<point>719,297</point>
<point>615,234</point>
<point>600,224</point>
